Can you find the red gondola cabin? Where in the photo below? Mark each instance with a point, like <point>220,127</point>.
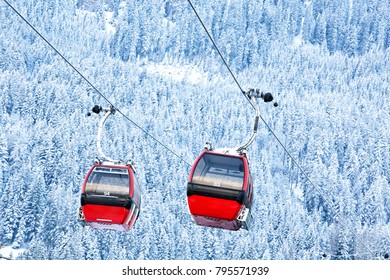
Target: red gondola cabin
<point>110,197</point>
<point>219,190</point>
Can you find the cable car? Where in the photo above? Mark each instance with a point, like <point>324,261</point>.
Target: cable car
<point>220,187</point>
<point>220,190</point>
<point>110,195</point>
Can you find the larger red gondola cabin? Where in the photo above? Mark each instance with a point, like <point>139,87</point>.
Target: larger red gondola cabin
<point>219,190</point>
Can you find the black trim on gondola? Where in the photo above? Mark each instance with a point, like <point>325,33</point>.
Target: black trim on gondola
<point>106,201</point>
<point>216,192</point>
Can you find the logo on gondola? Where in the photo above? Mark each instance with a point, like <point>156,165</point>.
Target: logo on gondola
<point>106,193</point>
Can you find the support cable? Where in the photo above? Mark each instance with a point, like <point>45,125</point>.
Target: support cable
<point>219,52</point>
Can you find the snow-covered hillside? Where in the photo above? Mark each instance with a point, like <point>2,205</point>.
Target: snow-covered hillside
<point>326,64</point>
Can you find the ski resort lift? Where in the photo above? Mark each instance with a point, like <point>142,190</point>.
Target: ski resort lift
<point>110,196</point>
<point>220,186</point>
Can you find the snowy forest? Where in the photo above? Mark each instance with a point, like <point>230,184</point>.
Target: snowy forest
<point>325,62</point>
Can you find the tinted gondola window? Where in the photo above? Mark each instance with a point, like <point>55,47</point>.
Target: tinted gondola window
<point>104,181</point>
<point>219,171</point>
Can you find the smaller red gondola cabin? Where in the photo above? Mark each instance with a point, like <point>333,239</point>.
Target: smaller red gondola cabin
<point>110,197</point>
<point>219,190</point>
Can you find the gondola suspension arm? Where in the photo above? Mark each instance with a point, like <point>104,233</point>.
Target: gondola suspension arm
<point>107,112</point>
<point>252,95</point>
